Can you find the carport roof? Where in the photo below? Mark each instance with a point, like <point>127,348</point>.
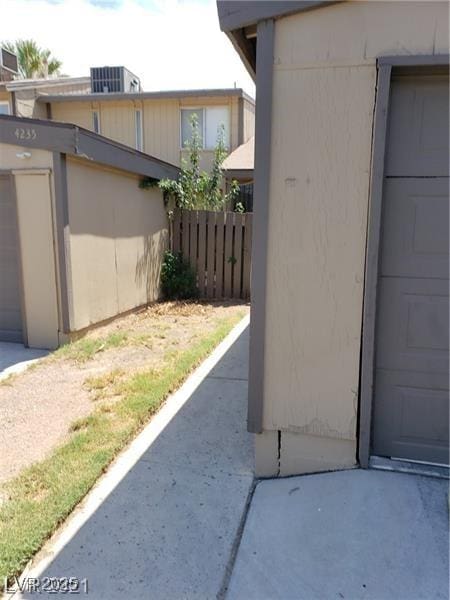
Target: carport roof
<point>76,141</point>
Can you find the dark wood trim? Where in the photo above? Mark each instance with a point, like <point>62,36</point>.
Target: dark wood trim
<point>372,256</point>
<point>263,120</point>
<point>387,66</point>
<point>66,138</point>
<point>414,60</point>
<point>62,239</point>
<point>13,103</point>
<point>20,264</point>
<point>235,14</point>
<point>246,48</point>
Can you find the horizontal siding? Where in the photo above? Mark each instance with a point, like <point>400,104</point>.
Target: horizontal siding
<point>78,113</point>
<point>160,122</point>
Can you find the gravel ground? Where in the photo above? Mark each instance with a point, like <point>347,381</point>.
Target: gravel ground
<point>38,406</point>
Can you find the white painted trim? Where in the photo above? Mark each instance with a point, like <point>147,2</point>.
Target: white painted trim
<point>127,459</point>
<point>138,130</point>
<point>204,109</point>
<point>96,111</point>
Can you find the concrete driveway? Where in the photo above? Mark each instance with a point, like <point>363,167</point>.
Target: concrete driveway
<point>354,535</point>
<point>15,358</point>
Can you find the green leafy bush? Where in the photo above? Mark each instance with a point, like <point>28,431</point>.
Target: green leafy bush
<point>178,279</point>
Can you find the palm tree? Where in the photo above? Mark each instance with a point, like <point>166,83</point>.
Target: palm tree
<point>34,62</point>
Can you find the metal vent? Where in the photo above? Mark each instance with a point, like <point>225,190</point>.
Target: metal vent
<point>8,65</point>
<point>110,80</point>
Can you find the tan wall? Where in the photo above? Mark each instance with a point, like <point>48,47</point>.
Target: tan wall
<point>6,97</point>
<point>79,113</point>
<point>161,122</point>
<point>323,101</point>
<point>118,233</point>
<point>34,192</point>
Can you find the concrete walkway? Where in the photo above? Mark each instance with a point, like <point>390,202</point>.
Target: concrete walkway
<point>167,530</point>
<point>15,358</point>
<point>356,535</point>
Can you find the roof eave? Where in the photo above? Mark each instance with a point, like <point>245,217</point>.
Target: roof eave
<point>70,139</point>
<point>236,15</point>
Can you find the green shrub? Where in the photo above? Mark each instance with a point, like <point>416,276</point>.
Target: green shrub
<point>178,279</point>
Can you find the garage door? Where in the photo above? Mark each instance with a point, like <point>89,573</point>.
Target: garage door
<point>10,312</point>
<point>411,397</point>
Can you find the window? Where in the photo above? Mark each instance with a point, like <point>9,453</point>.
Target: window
<point>210,120</point>
<point>4,108</point>
<point>138,128</point>
<point>186,128</point>
<point>216,117</point>
<point>96,121</point>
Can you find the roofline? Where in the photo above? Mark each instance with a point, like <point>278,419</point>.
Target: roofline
<point>76,141</point>
<point>144,95</point>
<point>236,14</point>
<point>239,173</point>
<point>22,84</point>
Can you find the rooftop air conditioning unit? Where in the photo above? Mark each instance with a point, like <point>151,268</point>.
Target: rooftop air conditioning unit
<point>113,80</point>
<point>9,67</point>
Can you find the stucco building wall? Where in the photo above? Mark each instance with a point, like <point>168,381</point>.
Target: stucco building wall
<point>33,186</point>
<point>118,233</point>
<point>324,88</point>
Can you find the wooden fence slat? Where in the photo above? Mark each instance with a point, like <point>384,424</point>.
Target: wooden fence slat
<point>228,257</point>
<point>201,252</point>
<point>237,252</point>
<point>185,234</point>
<point>210,254</point>
<point>193,239</point>
<point>176,231</point>
<point>247,256</point>
<point>220,220</point>
<point>218,247</point>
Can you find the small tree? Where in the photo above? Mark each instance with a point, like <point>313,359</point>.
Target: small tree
<point>197,189</point>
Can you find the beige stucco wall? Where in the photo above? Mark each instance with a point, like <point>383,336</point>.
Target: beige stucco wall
<point>118,233</point>
<point>161,122</point>
<point>33,183</point>
<point>6,97</point>
<point>323,100</point>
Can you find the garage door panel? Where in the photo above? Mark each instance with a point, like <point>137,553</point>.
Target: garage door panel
<point>415,228</point>
<point>411,417</point>
<point>418,127</point>
<point>413,325</point>
<point>411,396</point>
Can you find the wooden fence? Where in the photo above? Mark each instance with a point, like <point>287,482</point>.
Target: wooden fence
<point>218,247</point>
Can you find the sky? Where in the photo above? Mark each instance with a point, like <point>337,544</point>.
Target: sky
<point>168,44</point>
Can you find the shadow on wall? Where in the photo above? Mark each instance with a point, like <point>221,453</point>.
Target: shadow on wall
<point>148,266</point>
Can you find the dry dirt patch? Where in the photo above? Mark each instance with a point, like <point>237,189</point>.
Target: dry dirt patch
<point>38,407</point>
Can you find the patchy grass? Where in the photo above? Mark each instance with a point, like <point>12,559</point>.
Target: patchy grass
<point>84,349</point>
<point>101,386</point>
<point>41,498</point>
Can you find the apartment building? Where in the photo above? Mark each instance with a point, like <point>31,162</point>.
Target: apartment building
<point>157,123</point>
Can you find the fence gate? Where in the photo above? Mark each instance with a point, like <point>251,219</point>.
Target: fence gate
<point>218,247</point>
